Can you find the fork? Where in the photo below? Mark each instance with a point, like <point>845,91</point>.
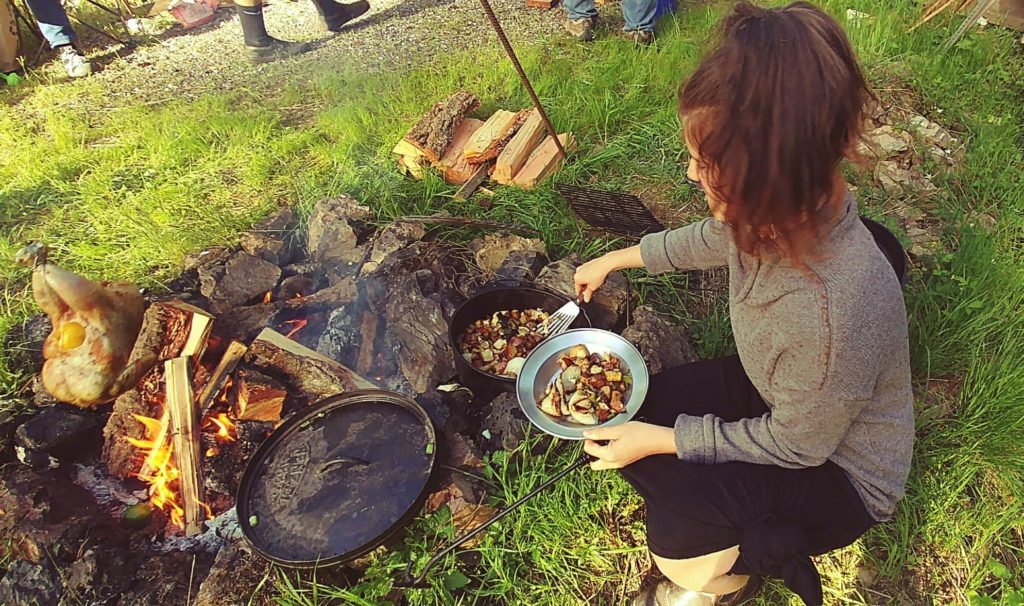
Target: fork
<point>561,319</point>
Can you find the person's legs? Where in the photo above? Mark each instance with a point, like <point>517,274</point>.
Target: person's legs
<point>639,15</point>
<point>260,46</point>
<point>335,14</point>
<point>707,573</point>
<point>582,16</point>
<point>53,22</point>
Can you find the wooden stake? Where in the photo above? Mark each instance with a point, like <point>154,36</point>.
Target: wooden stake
<point>185,441</point>
<point>232,356</point>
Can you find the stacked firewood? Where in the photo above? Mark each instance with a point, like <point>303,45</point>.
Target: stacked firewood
<point>510,147</point>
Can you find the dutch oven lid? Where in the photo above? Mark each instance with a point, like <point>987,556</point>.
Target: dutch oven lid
<point>334,482</point>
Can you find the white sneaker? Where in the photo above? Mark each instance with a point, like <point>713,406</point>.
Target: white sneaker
<point>75,63</point>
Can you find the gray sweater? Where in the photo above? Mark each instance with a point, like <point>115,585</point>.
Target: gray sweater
<point>827,350</point>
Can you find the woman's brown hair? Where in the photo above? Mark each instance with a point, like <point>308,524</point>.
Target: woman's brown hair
<point>771,112</point>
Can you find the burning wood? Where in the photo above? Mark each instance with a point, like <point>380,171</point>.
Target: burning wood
<point>220,380</point>
<point>296,325</point>
<point>158,470</point>
<point>268,297</point>
<point>258,397</point>
<point>185,442</point>
<point>304,369</point>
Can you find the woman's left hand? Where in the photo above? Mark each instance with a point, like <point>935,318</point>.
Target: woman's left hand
<point>627,443</point>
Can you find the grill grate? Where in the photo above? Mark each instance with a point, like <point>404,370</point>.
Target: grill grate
<point>615,212</point>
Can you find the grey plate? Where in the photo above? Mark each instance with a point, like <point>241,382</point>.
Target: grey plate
<point>541,367</point>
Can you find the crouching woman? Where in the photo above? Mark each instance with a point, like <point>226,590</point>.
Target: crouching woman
<point>751,464</point>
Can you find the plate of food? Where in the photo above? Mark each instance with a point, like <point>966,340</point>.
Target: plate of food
<point>581,379</point>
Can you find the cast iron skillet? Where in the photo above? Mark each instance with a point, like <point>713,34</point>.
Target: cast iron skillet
<point>338,479</point>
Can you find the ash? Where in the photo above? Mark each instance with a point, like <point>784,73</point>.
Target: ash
<point>220,531</point>
<point>105,489</point>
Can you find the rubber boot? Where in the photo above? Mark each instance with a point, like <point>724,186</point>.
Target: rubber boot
<point>261,47</point>
<point>336,15</point>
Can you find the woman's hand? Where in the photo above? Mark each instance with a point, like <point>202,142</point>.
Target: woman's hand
<point>591,275</point>
<point>627,443</point>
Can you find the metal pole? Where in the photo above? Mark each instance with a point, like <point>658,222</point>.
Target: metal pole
<point>522,74</point>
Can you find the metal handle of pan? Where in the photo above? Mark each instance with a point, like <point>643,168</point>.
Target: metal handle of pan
<point>419,582</point>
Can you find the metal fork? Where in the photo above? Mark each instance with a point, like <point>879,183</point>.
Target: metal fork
<point>561,319</point>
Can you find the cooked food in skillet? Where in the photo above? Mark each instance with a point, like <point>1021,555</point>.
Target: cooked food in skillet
<point>589,390</point>
<point>499,344</point>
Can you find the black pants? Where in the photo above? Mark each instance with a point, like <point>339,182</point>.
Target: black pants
<point>777,516</point>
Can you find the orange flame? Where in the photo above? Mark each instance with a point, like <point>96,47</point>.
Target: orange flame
<point>158,469</point>
<point>267,297</point>
<point>297,326</point>
<point>225,427</point>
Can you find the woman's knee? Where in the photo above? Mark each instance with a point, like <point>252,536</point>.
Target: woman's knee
<point>700,573</point>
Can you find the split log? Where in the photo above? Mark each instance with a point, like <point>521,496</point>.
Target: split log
<point>185,441</point>
<point>479,176</point>
<point>517,152</point>
<point>169,330</point>
<point>232,356</point>
<point>411,165</point>
<point>302,368</point>
<point>487,142</point>
<point>435,131</point>
<point>258,397</point>
<point>544,161</point>
<point>457,170</point>
<point>546,4</point>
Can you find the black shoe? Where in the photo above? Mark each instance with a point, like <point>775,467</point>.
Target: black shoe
<point>344,13</point>
<point>276,49</point>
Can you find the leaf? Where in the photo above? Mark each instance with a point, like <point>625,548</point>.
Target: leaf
<point>456,580</point>
<point>999,570</point>
<point>975,305</point>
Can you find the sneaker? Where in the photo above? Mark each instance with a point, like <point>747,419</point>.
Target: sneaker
<point>581,29</point>
<point>346,13</point>
<point>277,49</point>
<point>641,38</point>
<point>667,593</point>
<point>75,63</point>
<point>742,595</point>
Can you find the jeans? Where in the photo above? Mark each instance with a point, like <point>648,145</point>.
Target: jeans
<point>53,22</point>
<point>639,14</point>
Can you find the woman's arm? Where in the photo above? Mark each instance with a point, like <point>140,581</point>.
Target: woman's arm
<point>591,275</point>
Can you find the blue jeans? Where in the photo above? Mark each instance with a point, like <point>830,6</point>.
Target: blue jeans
<point>53,22</point>
<point>639,14</point>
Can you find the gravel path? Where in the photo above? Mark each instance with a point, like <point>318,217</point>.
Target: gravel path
<point>394,35</point>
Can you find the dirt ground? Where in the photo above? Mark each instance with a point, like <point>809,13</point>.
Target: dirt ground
<point>173,63</point>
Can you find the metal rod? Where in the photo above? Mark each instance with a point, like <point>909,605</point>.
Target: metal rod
<point>522,75</point>
<point>419,582</point>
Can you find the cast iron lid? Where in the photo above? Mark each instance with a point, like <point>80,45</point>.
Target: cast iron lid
<point>335,481</point>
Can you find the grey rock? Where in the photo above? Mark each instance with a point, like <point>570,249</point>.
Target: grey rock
<point>335,232</point>
<point>242,280</point>
<point>504,420</point>
<point>295,286</point>
<point>522,266</point>
<point>663,343</point>
<point>885,142</point>
<point>391,239</point>
<point>492,250</point>
<point>931,132</point>
<point>28,583</point>
<point>893,178</point>
<point>60,431</point>
<point>81,576</point>
<point>204,258</point>
<point>419,331</point>
<point>234,577</point>
<point>606,309</point>
<point>271,239</point>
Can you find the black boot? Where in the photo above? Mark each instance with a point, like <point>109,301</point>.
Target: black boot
<point>260,47</point>
<point>335,14</point>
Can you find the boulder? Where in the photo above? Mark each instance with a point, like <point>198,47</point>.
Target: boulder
<point>336,232</point>
<point>235,578</point>
<point>663,343</point>
<point>391,239</point>
<point>271,239</point>
<point>242,280</point>
<point>522,266</point>
<point>492,250</point>
<point>607,307</point>
<point>63,432</point>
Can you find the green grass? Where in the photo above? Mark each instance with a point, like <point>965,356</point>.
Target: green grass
<point>126,192</point>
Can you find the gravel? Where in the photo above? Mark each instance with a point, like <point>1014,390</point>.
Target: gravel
<point>395,35</point>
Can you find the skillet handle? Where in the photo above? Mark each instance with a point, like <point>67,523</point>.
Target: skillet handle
<point>419,582</point>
